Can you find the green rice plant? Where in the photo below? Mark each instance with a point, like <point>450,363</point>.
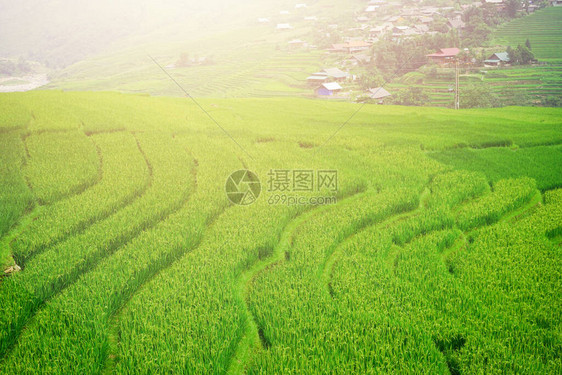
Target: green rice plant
<point>290,299</point>
<point>401,304</point>
<point>59,266</point>
<point>428,221</point>
<point>553,197</point>
<point>61,164</point>
<point>15,196</point>
<point>509,267</point>
<point>499,163</point>
<point>417,268</point>
<point>453,188</point>
<point>507,195</point>
<point>15,115</point>
<point>238,240</point>
<point>125,175</point>
<point>50,111</point>
<point>107,287</point>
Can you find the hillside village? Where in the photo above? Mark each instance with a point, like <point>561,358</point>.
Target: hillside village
<point>386,40</point>
<point>483,53</point>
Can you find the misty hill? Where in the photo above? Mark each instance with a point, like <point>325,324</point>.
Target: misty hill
<point>61,32</point>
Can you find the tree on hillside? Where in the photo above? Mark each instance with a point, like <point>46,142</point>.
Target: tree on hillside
<point>183,61</point>
<point>412,96</point>
<point>478,96</point>
<point>370,80</point>
<point>440,25</point>
<point>521,55</point>
<point>511,8</point>
<point>476,34</point>
<point>528,44</point>
<point>552,101</point>
<point>526,55</point>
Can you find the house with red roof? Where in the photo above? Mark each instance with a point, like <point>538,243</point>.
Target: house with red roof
<point>444,55</point>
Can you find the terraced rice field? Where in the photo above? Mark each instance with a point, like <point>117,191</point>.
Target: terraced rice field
<point>438,253</point>
<point>542,28</point>
<point>515,85</point>
<point>263,66</point>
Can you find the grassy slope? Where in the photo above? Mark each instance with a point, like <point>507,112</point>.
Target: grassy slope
<point>516,85</point>
<point>250,60</point>
<point>254,61</point>
<point>541,28</point>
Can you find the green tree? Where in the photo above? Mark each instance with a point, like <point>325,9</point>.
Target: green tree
<point>552,101</point>
<point>510,53</point>
<point>412,96</point>
<point>516,55</point>
<point>440,25</point>
<point>525,55</point>
<point>476,33</point>
<point>528,44</point>
<point>511,8</point>
<point>477,96</point>
<point>371,79</point>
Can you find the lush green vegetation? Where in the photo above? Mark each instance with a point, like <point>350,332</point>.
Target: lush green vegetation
<point>441,254</point>
<point>254,60</point>
<point>499,163</point>
<point>541,28</point>
<point>512,85</point>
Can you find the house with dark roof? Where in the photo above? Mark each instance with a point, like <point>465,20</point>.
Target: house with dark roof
<point>336,74</point>
<point>422,28</point>
<point>360,59</point>
<point>317,78</point>
<point>378,31</point>
<point>457,24</point>
<point>497,59</point>
<point>378,93</point>
<point>399,30</point>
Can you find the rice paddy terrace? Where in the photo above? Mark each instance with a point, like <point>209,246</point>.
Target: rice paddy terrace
<point>439,253</point>
<point>514,85</point>
<point>542,28</point>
